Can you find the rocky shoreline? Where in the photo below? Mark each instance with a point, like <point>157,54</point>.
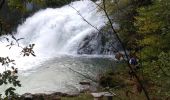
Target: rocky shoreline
<point>43,96</point>
<point>57,95</point>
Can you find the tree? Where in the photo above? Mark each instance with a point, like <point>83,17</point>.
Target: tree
<point>152,25</point>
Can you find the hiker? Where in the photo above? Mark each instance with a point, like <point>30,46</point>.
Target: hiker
<point>133,61</point>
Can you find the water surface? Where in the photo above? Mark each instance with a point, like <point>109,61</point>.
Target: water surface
<point>55,75</point>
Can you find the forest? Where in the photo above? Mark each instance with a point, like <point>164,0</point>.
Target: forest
<point>141,31</point>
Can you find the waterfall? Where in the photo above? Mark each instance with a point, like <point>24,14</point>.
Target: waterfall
<point>54,32</point>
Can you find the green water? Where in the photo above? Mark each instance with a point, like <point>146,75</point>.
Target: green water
<point>61,74</point>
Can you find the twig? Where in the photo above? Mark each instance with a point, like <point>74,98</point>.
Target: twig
<point>85,19</point>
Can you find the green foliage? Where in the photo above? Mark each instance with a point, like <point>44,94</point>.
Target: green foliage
<point>112,6</point>
<point>152,25</point>
<point>154,19</point>
<point>9,76</point>
<point>145,30</point>
<point>17,4</point>
<point>20,5</point>
<point>56,3</point>
<point>112,79</point>
<point>158,72</point>
<point>153,28</point>
<point>127,30</point>
<point>160,67</point>
<point>4,27</point>
<point>10,91</point>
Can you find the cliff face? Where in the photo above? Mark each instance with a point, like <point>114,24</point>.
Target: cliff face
<point>99,43</point>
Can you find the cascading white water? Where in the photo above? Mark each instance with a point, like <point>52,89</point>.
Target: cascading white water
<point>54,32</point>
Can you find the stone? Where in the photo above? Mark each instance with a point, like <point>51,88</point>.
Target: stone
<point>27,96</point>
<point>84,83</point>
<point>100,95</point>
<point>97,96</point>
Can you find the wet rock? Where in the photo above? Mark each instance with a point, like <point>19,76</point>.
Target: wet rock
<point>27,96</point>
<point>99,43</point>
<point>84,83</point>
<point>43,96</point>
<point>46,97</point>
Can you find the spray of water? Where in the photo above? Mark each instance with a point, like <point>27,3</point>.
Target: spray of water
<point>54,32</point>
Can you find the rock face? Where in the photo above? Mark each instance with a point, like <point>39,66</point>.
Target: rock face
<point>99,43</point>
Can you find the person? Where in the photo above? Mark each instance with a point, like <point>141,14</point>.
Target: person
<point>134,65</point>
<point>133,61</point>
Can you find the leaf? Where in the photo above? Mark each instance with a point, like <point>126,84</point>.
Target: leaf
<point>20,39</point>
<point>33,45</point>
<point>14,37</point>
<point>30,45</point>
<point>33,54</point>
<point>10,91</point>
<point>6,39</point>
<point>29,0</point>
<point>16,70</point>
<point>1,81</point>
<point>12,67</point>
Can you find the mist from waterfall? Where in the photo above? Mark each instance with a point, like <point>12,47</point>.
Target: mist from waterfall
<point>54,32</point>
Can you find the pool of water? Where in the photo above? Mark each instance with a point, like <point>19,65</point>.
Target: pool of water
<point>62,74</point>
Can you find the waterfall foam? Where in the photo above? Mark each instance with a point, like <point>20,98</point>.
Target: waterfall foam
<point>54,32</point>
